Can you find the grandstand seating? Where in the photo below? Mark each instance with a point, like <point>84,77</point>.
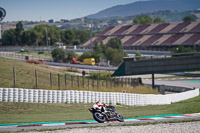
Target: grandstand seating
<point>163,35</point>
<point>178,27</point>
<point>159,28</point>
<point>151,40</point>
<point>122,29</point>
<point>132,40</point>
<point>139,29</point>
<point>193,39</point>
<point>196,28</point>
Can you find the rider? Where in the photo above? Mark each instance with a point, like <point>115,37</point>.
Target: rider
<point>99,106</point>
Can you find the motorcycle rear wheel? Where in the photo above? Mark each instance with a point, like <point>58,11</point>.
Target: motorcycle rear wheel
<point>99,117</point>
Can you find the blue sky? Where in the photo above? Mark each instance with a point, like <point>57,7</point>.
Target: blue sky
<point>37,10</point>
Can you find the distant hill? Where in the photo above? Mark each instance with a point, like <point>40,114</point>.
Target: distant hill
<point>100,24</point>
<point>147,7</point>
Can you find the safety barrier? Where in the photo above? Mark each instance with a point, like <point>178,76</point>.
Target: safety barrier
<point>71,96</point>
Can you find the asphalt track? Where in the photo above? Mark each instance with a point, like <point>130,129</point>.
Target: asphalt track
<point>92,123</point>
<point>80,66</point>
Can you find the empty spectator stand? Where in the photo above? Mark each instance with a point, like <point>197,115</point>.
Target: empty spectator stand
<point>164,35</point>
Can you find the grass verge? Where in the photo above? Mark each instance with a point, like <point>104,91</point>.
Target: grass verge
<point>25,78</point>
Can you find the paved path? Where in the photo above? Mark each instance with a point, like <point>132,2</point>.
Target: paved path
<point>174,82</point>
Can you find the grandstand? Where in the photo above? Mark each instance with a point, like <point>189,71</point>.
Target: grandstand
<point>165,35</point>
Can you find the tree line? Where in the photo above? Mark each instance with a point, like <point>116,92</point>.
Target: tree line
<point>43,35</point>
<point>111,51</point>
<point>144,19</point>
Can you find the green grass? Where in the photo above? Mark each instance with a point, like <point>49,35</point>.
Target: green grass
<point>170,77</point>
<point>25,78</point>
<point>36,53</point>
<point>35,112</point>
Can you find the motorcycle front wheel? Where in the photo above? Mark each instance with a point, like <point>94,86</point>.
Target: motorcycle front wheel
<point>99,117</point>
<point>120,118</point>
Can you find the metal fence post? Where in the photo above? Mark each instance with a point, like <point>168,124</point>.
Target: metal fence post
<point>110,82</point>
<point>92,83</point>
<point>98,83</point>
<point>14,77</point>
<point>51,83</point>
<point>83,80</point>
<point>122,81</point>
<point>71,80</point>
<point>77,81</point>
<point>36,79</point>
<point>65,79</point>
<point>58,81</point>
<point>88,83</point>
<point>106,82</point>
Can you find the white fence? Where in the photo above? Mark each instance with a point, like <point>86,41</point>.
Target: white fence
<point>71,96</point>
<point>15,55</point>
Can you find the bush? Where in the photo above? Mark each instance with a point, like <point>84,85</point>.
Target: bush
<point>138,54</point>
<point>100,75</point>
<point>70,55</point>
<point>85,55</point>
<point>115,56</point>
<point>40,52</point>
<point>182,49</point>
<point>58,54</point>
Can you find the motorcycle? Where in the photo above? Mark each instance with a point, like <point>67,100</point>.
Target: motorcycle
<point>103,112</point>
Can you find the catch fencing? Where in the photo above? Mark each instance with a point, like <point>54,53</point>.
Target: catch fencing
<point>71,96</point>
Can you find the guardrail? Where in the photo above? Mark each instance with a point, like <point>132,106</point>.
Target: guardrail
<point>71,96</point>
<point>14,55</point>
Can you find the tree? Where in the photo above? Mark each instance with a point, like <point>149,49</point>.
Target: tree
<point>97,52</point>
<point>8,38</point>
<point>114,56</point>
<point>19,27</point>
<point>142,19</point>
<point>97,48</point>
<point>46,33</point>
<point>54,35</point>
<point>68,36</point>
<point>157,20</point>
<point>33,37</point>
<point>85,55</point>
<point>25,38</point>
<point>70,55</point>
<point>18,31</point>
<point>188,19</point>
<point>115,43</point>
<point>82,35</point>
<point>58,54</point>
<point>76,42</point>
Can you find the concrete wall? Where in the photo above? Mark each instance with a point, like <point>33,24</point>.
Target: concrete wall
<point>71,96</point>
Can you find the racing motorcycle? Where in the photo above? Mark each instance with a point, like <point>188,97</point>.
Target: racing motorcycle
<point>103,112</point>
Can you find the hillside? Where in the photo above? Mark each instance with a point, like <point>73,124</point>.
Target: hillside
<point>103,23</point>
<point>147,7</point>
<point>25,78</point>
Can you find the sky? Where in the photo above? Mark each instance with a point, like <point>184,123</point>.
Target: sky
<point>37,10</point>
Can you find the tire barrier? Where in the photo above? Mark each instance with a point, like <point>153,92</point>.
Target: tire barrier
<point>71,96</point>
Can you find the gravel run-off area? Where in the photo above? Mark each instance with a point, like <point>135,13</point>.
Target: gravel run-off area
<point>185,127</point>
